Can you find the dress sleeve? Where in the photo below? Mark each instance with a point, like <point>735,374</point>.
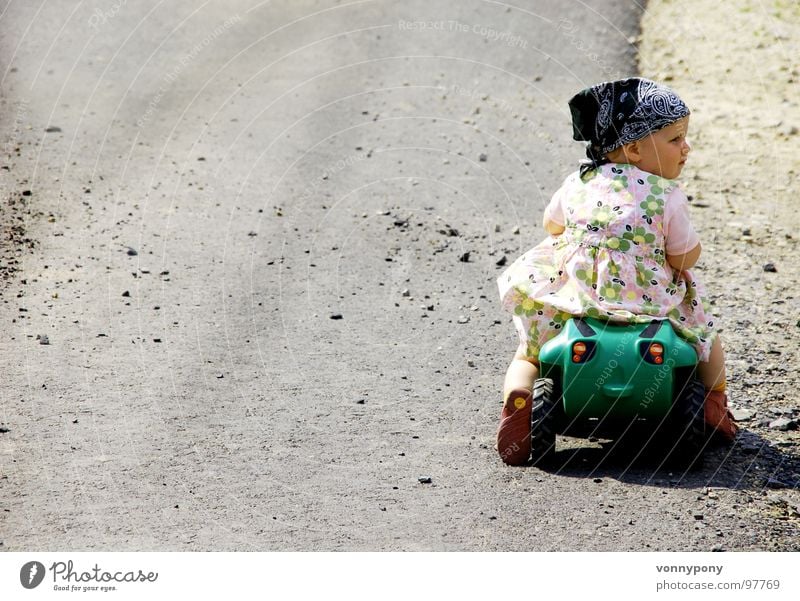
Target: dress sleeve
<point>555,210</point>
<point>678,231</point>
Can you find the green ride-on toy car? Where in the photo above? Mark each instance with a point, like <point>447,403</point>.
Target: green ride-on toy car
<point>600,373</point>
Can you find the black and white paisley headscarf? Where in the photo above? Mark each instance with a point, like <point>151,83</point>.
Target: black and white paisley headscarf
<point>614,113</point>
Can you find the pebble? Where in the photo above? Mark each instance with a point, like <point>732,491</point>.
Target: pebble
<point>483,158</point>
<point>743,415</point>
<point>465,257</point>
<point>515,230</point>
<point>782,423</point>
<point>504,259</point>
<point>406,292</point>
<point>770,268</point>
<point>53,129</point>
<point>336,316</point>
<point>425,479</point>
<point>463,319</point>
<point>132,252</point>
<point>43,339</point>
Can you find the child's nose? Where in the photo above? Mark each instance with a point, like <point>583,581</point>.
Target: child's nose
<point>687,145</point>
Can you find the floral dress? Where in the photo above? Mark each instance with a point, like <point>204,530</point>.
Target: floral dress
<point>609,263</point>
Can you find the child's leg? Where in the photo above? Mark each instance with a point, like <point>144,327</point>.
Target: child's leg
<point>712,374</point>
<point>514,431</point>
<point>521,374</point>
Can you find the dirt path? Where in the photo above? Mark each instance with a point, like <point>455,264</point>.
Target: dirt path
<point>739,74</point>
<point>253,305</point>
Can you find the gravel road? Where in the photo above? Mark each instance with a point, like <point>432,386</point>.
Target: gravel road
<point>248,283</point>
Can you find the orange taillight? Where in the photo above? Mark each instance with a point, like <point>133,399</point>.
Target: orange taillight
<point>578,350</point>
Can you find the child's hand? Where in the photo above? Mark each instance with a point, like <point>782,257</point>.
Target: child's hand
<point>552,228</point>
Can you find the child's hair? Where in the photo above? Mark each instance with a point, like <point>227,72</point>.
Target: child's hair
<point>611,114</point>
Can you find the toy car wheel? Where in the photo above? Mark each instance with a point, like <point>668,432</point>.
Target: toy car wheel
<point>543,421</point>
<point>689,425</point>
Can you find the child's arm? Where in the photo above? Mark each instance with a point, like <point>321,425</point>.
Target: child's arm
<point>686,260</point>
<point>682,243</point>
<point>551,227</point>
<point>553,220</point>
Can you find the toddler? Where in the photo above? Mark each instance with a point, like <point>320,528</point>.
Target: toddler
<point>620,247</point>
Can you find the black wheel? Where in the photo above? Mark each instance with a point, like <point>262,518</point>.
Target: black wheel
<point>688,425</point>
<point>544,416</point>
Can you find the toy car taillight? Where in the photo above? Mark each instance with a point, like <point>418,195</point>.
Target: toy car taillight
<point>654,353</point>
<point>582,351</point>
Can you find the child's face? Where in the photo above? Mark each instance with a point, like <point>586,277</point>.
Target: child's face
<point>664,152</point>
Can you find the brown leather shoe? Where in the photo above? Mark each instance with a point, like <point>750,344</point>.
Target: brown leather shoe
<point>514,432</point>
<point>718,416</point>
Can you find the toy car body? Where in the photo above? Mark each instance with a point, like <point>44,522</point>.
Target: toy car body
<point>610,373</point>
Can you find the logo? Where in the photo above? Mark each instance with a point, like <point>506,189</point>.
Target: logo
<point>31,574</point>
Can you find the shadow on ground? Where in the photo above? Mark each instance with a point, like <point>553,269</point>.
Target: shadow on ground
<point>751,463</point>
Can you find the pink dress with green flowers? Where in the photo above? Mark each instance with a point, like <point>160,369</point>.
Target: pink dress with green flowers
<point>610,262</point>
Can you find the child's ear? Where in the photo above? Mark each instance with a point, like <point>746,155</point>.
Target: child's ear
<point>633,153</point>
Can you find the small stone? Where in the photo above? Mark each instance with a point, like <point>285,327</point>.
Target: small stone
<point>132,252</point>
<point>425,480</point>
<point>597,480</point>
<point>483,158</point>
<point>43,339</point>
<point>4,430</point>
<point>697,516</point>
<point>337,316</point>
<point>406,292</point>
<point>783,424</point>
<point>770,268</point>
<point>220,376</point>
<point>464,258</point>
<point>496,228</point>
<point>361,401</point>
<point>746,232</point>
<point>515,230</point>
<point>463,319</point>
<point>742,415</point>
<point>470,363</point>
<point>53,129</point>
<point>126,294</point>
<point>504,259</point>
<point>26,192</point>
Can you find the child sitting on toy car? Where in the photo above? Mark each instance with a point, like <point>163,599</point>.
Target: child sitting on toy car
<point>620,247</point>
